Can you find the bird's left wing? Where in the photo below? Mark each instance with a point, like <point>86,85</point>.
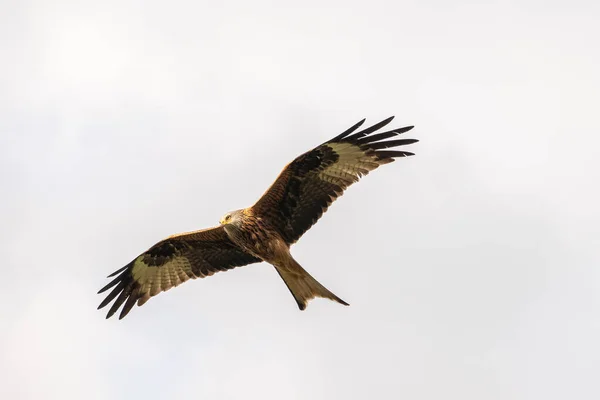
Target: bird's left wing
<point>171,262</point>
<point>308,185</point>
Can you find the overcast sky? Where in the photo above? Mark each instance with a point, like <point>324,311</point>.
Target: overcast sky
<point>472,269</point>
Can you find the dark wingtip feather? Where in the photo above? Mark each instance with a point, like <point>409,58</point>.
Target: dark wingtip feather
<point>362,136</point>
<point>117,304</point>
<point>118,271</point>
<point>112,294</point>
<point>405,129</point>
<point>380,124</point>
<point>348,131</point>
<point>111,312</point>
<point>113,282</point>
<point>383,135</point>
<point>133,296</point>
<point>393,154</point>
<point>369,130</point>
<point>390,143</point>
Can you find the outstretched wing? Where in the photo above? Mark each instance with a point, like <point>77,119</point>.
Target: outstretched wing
<point>309,184</point>
<point>171,262</point>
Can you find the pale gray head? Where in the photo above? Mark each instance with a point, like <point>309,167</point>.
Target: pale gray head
<point>232,217</point>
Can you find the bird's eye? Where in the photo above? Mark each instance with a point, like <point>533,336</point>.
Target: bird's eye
<point>227,217</point>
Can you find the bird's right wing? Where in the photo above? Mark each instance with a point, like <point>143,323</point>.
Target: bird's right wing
<point>308,185</point>
<point>170,262</point>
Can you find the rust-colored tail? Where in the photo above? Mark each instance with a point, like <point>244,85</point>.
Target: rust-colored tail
<point>302,285</point>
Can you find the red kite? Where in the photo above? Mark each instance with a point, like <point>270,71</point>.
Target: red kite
<point>264,232</point>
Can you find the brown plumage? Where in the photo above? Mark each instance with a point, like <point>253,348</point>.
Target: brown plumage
<point>264,232</point>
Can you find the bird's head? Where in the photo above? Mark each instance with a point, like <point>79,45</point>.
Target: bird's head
<point>232,217</point>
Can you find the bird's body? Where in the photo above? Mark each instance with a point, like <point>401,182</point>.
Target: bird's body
<point>258,236</point>
<point>255,235</point>
<point>265,231</point>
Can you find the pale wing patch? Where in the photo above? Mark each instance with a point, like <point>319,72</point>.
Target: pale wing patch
<point>154,280</point>
<point>352,164</point>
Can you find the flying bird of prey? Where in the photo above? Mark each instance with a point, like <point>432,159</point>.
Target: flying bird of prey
<point>264,232</point>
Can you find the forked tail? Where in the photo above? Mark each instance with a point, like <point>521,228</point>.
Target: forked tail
<point>302,285</point>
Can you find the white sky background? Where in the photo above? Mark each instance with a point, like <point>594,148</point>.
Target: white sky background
<point>472,269</point>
